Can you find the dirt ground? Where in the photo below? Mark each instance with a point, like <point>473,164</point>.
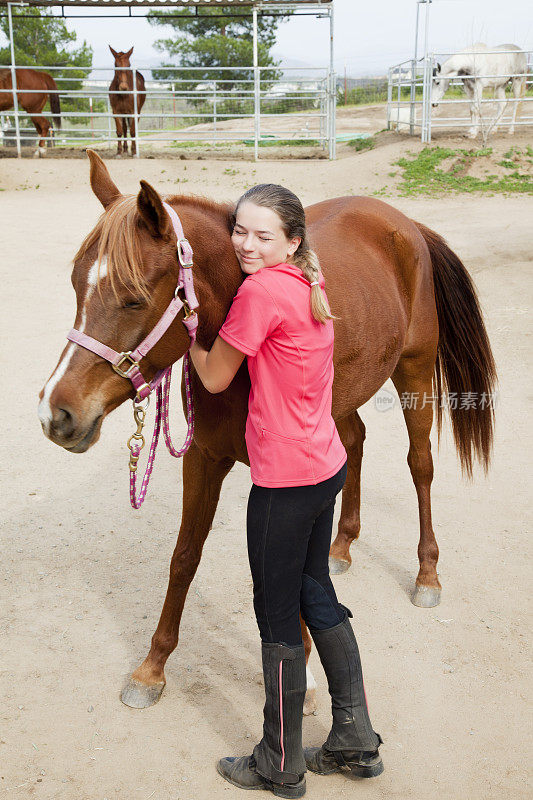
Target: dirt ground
<point>84,576</point>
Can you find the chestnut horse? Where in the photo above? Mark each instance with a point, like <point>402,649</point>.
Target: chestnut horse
<point>33,90</point>
<point>405,307</point>
<point>124,104</point>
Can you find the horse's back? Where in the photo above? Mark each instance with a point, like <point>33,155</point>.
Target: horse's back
<point>363,236</point>
<point>378,279</point>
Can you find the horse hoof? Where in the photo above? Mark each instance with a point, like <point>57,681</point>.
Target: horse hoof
<point>426,596</point>
<point>310,702</point>
<point>138,695</point>
<point>337,566</point>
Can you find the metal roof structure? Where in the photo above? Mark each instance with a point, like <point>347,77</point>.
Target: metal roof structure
<point>260,5</point>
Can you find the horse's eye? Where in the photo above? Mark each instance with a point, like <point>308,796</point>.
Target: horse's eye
<point>132,304</point>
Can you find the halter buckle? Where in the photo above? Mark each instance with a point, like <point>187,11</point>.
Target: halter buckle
<point>186,263</point>
<point>123,358</point>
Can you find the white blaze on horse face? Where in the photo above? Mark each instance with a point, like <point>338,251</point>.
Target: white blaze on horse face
<point>96,272</point>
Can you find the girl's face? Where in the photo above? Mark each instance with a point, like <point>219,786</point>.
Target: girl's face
<point>259,239</point>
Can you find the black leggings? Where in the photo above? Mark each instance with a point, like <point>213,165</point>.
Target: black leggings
<point>289,536</point>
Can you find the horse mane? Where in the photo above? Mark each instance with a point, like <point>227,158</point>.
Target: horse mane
<point>117,234</point>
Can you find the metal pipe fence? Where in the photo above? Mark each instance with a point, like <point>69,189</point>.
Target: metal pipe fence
<point>409,99</point>
<point>249,107</point>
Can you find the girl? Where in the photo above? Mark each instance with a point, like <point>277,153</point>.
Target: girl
<point>280,321</point>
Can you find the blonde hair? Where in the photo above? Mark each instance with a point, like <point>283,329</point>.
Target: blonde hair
<point>291,213</point>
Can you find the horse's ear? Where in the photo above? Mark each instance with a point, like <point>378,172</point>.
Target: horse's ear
<point>114,52</point>
<point>130,51</point>
<point>150,207</point>
<point>101,182</point>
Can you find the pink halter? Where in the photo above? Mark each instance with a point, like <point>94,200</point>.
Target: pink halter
<point>126,364</point>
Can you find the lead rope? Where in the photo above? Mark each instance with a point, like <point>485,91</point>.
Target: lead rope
<point>136,442</point>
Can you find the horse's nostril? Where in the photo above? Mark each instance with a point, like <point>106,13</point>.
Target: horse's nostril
<point>63,421</point>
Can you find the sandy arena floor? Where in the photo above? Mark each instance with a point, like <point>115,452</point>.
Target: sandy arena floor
<point>84,576</point>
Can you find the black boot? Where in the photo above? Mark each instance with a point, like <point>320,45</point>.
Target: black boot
<point>277,763</point>
<point>351,742</point>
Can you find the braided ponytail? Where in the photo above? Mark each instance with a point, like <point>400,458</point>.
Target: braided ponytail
<point>291,213</point>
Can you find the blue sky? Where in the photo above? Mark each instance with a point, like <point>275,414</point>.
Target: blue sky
<point>369,36</point>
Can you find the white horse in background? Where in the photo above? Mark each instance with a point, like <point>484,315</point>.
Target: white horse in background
<point>473,63</point>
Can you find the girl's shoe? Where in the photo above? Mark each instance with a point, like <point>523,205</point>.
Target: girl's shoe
<point>241,772</point>
<point>325,762</point>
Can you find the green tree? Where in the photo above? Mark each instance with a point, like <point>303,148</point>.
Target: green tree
<point>45,41</point>
<point>217,37</point>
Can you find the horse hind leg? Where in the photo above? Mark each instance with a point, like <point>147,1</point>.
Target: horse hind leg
<point>42,127</point>
<point>413,381</point>
<point>352,433</point>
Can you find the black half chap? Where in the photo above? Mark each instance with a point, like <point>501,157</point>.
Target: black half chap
<point>289,536</point>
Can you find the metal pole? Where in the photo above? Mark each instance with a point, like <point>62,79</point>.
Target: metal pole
<point>416,35</point>
<point>333,90</point>
<point>135,115</point>
<point>428,73</point>
<point>389,96</point>
<point>412,109</point>
<point>109,122</point>
<point>14,79</point>
<point>345,86</point>
<point>174,104</point>
<point>215,112</point>
<point>257,90</point>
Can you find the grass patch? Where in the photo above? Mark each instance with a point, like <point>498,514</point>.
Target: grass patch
<point>422,173</point>
<point>362,144</point>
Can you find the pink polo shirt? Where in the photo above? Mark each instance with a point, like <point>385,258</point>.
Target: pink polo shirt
<point>290,434</point>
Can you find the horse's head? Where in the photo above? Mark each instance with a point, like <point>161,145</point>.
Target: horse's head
<point>439,86</point>
<point>122,62</point>
<point>125,275</point>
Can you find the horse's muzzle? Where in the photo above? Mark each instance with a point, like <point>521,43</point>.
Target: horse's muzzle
<point>64,430</point>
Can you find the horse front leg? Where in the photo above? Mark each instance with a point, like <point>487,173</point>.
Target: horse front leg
<point>131,121</point>
<point>476,95</point>
<point>119,127</point>
<point>352,434</point>
<point>202,481</point>
<point>502,102</point>
<point>519,89</point>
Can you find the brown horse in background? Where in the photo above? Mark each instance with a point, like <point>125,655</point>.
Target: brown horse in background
<point>406,309</point>
<point>124,104</point>
<point>32,94</point>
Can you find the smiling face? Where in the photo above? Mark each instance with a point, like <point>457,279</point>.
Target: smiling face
<point>258,238</point>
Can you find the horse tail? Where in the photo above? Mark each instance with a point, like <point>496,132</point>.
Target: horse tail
<point>55,105</point>
<point>464,367</point>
